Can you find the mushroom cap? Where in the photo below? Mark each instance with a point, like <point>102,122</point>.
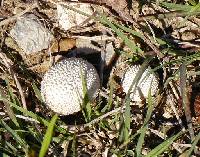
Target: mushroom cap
<point>148,80</point>
<point>62,89</point>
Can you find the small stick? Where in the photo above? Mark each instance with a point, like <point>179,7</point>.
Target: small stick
<point>166,15</point>
<point>22,117</point>
<point>173,106</point>
<point>185,101</point>
<point>13,18</point>
<point>19,87</point>
<point>119,109</point>
<point>82,127</point>
<point>2,2</point>
<point>102,63</point>
<point>161,135</point>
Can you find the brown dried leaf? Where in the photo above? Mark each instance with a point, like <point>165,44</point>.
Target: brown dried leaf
<point>5,13</point>
<point>120,6</point>
<point>197,107</point>
<point>64,44</point>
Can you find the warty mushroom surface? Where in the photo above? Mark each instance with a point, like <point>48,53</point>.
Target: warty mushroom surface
<point>62,88</point>
<point>148,80</point>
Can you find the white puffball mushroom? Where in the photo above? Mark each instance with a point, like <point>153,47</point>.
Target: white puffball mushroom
<point>148,80</point>
<point>62,89</point>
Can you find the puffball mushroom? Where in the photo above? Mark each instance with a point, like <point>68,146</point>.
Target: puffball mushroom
<point>148,80</point>
<point>62,88</point>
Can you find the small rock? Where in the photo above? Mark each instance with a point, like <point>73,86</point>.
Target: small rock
<point>90,42</point>
<point>30,34</point>
<point>188,35</point>
<point>68,18</point>
<point>110,53</point>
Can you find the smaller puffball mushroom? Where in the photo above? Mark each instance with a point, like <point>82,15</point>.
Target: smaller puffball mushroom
<point>62,89</point>
<point>148,80</point>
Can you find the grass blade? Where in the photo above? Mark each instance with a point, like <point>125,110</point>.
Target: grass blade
<point>126,29</point>
<point>74,145</point>
<point>137,34</point>
<point>32,115</point>
<point>127,120</point>
<point>124,133</point>
<point>150,108</point>
<point>185,99</point>
<point>197,139</point>
<point>9,110</point>
<point>163,146</point>
<point>12,148</point>
<point>37,92</point>
<point>26,112</point>
<point>141,140</point>
<point>7,105</point>
<point>5,152</point>
<point>177,7</point>
<point>145,126</point>
<point>48,136</point>
<point>14,134</point>
<point>86,106</point>
<point>126,40</point>
<point>108,106</point>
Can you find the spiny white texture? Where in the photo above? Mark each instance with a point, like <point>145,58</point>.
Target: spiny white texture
<point>30,34</point>
<point>69,18</point>
<point>62,89</point>
<point>147,80</point>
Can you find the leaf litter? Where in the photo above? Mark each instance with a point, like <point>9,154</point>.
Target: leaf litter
<point>116,35</point>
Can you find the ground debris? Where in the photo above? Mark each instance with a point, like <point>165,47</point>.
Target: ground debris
<point>30,34</point>
<point>113,36</point>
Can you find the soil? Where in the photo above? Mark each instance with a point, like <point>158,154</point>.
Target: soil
<point>93,41</point>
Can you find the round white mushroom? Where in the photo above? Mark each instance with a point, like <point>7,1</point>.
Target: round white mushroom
<point>62,88</point>
<point>148,80</point>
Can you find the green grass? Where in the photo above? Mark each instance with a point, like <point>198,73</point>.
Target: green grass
<point>124,132</point>
<point>144,128</point>
<point>48,136</point>
<point>85,106</point>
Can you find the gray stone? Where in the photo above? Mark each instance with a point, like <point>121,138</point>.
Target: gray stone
<point>30,34</point>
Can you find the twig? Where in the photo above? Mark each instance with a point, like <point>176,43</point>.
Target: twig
<point>21,117</point>
<point>2,114</point>
<point>173,106</point>
<point>82,127</point>
<point>166,15</point>
<point>174,144</point>
<point>2,2</point>
<point>152,31</point>
<point>11,19</point>
<point>119,109</point>
<point>147,39</point>
<point>19,87</point>
<point>185,101</point>
<point>102,63</point>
